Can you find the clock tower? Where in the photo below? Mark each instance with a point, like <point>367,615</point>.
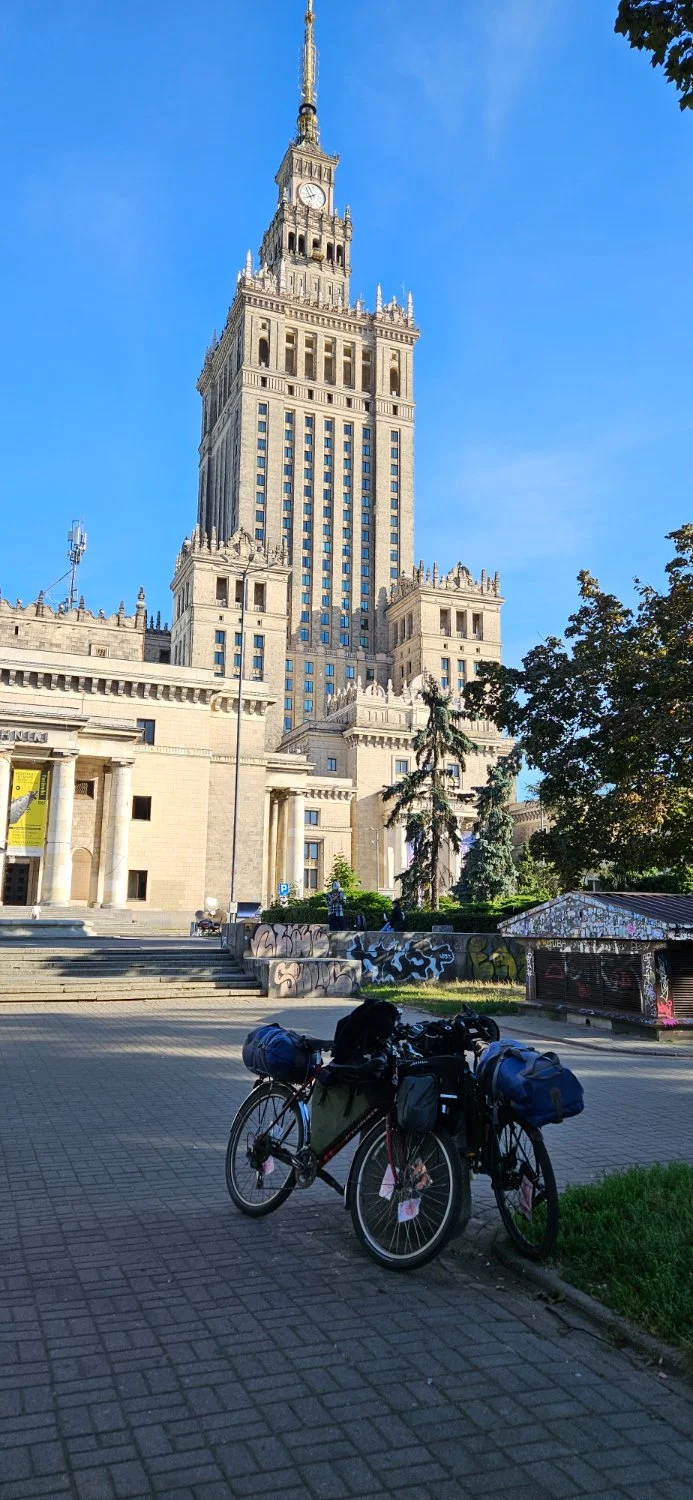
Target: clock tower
<point>308,427</point>
<point>307,242</point>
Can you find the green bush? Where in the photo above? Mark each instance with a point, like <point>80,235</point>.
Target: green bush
<point>471,917</point>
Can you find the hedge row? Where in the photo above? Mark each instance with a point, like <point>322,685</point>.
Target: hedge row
<point>472,917</point>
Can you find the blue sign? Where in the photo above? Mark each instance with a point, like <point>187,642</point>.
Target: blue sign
<point>283,889</point>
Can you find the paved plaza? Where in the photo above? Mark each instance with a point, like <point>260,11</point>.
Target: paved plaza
<point>156,1343</point>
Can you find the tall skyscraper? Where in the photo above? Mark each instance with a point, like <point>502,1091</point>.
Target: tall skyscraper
<point>308,422</point>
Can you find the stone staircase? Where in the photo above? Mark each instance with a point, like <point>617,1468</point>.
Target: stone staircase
<point>107,922</point>
<point>94,969</point>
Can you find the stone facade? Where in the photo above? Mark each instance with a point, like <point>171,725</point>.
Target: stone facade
<point>298,581</point>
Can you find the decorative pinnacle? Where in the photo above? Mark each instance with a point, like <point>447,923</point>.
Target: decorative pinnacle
<point>308,112</point>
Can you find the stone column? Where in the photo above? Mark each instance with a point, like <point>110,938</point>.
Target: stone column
<point>272,859</point>
<point>281,868</point>
<point>5,784</point>
<point>57,871</point>
<point>115,891</point>
<point>297,835</point>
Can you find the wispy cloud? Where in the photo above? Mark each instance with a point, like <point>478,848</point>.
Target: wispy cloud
<point>515,30</point>
<point>517,508</point>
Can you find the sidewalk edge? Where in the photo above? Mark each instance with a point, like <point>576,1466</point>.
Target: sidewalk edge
<point>654,1349</point>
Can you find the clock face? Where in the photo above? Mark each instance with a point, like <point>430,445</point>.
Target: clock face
<point>312,195</point>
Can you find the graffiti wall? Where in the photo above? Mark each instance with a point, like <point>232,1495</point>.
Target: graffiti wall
<point>665,1003</point>
<point>295,940</point>
<point>494,959</point>
<point>401,961</point>
<point>407,959</point>
<point>317,979</point>
<point>582,916</point>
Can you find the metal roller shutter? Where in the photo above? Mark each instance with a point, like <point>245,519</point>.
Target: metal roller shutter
<point>584,980</point>
<point>550,975</point>
<point>681,959</point>
<point>622,981</point>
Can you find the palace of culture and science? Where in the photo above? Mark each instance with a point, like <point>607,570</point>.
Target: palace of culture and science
<point>299,573</point>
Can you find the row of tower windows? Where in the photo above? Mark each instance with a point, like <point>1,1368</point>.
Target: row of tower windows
<point>333,254</point>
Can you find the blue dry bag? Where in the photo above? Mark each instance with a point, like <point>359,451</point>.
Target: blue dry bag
<point>535,1084</point>
<point>275,1053</point>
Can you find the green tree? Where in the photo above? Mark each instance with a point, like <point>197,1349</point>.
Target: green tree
<point>606,715</point>
<point>489,872</point>
<point>347,877</point>
<point>664,28</point>
<point>535,877</point>
<point>426,800</point>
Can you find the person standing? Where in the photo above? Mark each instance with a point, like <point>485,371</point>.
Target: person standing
<point>397,917</point>
<point>336,909</point>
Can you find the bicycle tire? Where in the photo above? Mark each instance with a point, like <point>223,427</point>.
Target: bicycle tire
<point>266,1102</point>
<point>525,1189</point>
<point>405,1245</point>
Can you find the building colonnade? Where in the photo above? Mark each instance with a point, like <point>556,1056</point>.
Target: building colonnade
<point>54,887</point>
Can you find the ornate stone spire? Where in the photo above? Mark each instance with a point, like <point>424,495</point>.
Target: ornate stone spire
<point>308,112</point>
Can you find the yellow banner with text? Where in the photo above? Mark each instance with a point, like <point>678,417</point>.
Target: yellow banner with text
<point>26,834</point>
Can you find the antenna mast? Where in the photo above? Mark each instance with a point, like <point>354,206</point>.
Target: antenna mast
<point>77,546</point>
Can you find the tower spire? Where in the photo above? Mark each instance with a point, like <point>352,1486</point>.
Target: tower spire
<point>308,112</point>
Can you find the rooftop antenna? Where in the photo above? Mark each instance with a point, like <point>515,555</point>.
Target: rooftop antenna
<point>76,548</point>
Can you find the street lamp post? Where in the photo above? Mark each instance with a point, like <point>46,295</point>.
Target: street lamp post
<point>233,904</point>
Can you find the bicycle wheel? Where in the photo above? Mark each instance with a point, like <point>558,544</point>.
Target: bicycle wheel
<point>525,1189</point>
<point>404,1226</point>
<point>257,1182</point>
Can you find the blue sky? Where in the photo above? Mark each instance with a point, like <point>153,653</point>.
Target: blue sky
<point>512,161</point>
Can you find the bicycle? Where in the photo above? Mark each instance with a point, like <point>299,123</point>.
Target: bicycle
<point>406,1191</point>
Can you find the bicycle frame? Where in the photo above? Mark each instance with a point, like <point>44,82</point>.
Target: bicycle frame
<point>302,1096</point>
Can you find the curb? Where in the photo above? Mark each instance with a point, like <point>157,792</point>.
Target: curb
<point>549,1282</point>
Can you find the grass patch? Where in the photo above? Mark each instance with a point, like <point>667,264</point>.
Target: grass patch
<point>628,1241</point>
<point>446,1000</point>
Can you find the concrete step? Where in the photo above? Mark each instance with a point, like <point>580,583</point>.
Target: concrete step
<point>128,980</point>
<point>91,996</point>
<point>105,971</point>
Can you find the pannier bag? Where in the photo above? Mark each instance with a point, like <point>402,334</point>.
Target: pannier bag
<point>535,1084</point>
<point>417,1103</point>
<point>364,1030</point>
<point>334,1110</point>
<point>273,1052</point>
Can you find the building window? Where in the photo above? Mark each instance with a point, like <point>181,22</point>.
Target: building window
<point>307,705</point>
<point>260,596</point>
<point>478,627</point>
<point>137,885</point>
<point>312,817</point>
<point>222,590</point>
<point>142,809</point>
<point>311,859</point>
<point>290,351</point>
<point>350,673</point>
<point>287,722</point>
<point>331,763</point>
<point>84,789</point>
<point>148,727</point>
<point>401,768</point>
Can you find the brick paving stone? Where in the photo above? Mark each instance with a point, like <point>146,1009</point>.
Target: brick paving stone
<point>154,1343</point>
